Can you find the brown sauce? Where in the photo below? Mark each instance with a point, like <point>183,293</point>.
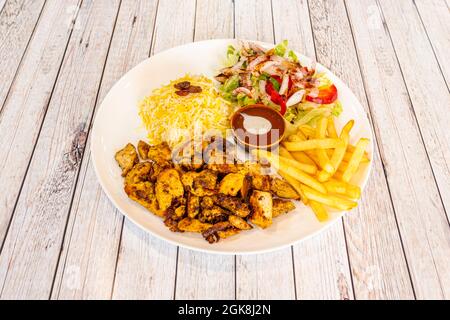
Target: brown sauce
<point>267,137</point>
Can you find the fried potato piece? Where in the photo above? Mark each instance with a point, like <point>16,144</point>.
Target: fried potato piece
<point>283,189</point>
<point>280,207</point>
<point>160,153</point>
<point>231,184</point>
<point>232,204</point>
<point>139,173</point>
<point>193,205</point>
<point>168,187</point>
<point>127,158</point>
<point>143,149</point>
<point>193,225</point>
<point>239,223</point>
<point>143,193</point>
<point>261,203</point>
<point>214,214</point>
<point>261,182</point>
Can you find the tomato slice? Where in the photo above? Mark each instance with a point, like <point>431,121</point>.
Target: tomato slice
<point>326,96</point>
<point>275,97</point>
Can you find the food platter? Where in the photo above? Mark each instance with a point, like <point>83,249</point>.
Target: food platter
<point>117,122</point>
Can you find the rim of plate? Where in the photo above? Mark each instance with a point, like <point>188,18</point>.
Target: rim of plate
<point>266,45</point>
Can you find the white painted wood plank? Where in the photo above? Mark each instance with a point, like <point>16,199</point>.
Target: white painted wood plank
<point>266,276</point>
<point>17,22</point>
<point>402,151</point>
<point>435,15</point>
<point>146,267</point>
<point>426,87</point>
<point>24,110</point>
<point>88,260</point>
<point>214,19</point>
<point>420,212</point>
<point>376,257</point>
<point>321,263</point>
<point>140,252</point>
<point>31,250</point>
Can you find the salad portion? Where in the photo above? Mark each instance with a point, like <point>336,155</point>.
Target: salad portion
<point>276,78</point>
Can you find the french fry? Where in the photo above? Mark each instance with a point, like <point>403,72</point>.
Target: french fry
<point>319,210</point>
<point>322,153</point>
<point>348,155</point>
<point>327,143</point>
<point>294,168</point>
<point>338,153</point>
<point>301,156</point>
<point>344,188</point>
<point>351,149</point>
<point>287,162</point>
<point>284,153</point>
<point>331,128</point>
<point>355,160</point>
<point>328,199</point>
<point>307,130</point>
<point>295,184</point>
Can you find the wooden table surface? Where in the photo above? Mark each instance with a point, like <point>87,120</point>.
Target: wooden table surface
<point>61,238</point>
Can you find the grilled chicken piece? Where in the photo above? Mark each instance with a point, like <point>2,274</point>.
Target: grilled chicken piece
<point>193,225</point>
<point>246,186</point>
<point>239,223</point>
<point>168,187</point>
<point>143,193</point>
<point>213,215</point>
<point>206,179</point>
<point>261,203</point>
<point>283,189</point>
<point>260,182</point>
<point>223,168</point>
<point>280,207</point>
<point>231,184</point>
<point>161,154</point>
<point>228,232</point>
<point>193,205</point>
<point>211,234</point>
<point>143,148</point>
<point>200,183</point>
<point>235,205</point>
<point>140,172</point>
<point>207,203</point>
<point>127,158</point>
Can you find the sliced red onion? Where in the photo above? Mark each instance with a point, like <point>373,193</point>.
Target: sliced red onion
<point>314,93</point>
<point>295,98</point>
<point>252,65</point>
<point>262,87</point>
<point>284,84</point>
<point>242,90</point>
<point>277,58</point>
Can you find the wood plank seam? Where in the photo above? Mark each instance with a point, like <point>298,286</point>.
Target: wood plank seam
<point>39,131</point>
<point>176,275</point>
<point>84,153</point>
<point>23,55</point>
<point>379,151</point>
<point>292,247</point>
<point>431,43</point>
<point>412,107</point>
<point>341,219</point>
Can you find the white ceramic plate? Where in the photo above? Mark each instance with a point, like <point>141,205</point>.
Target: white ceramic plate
<point>117,123</point>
